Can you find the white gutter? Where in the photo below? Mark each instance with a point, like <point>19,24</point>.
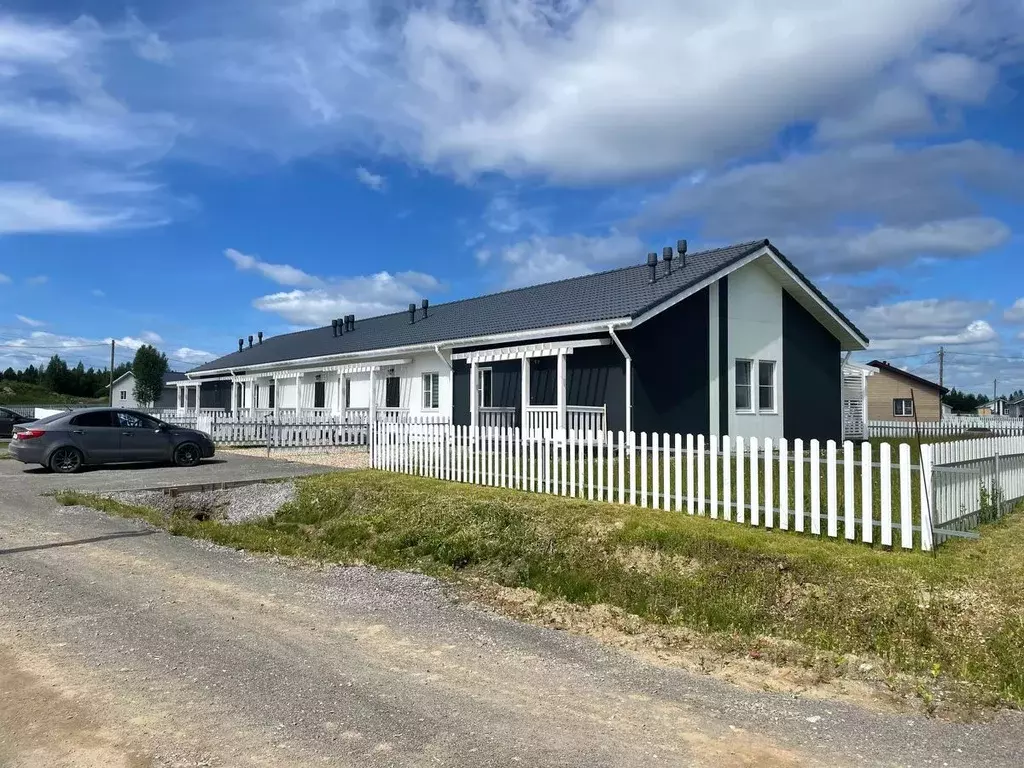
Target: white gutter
<point>539,333</point>
<point>629,379</point>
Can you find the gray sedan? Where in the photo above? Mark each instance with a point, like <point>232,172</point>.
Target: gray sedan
<point>68,441</point>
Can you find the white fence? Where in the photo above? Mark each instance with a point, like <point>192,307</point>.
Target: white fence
<point>975,480</point>
<point>949,426</point>
<point>832,490</point>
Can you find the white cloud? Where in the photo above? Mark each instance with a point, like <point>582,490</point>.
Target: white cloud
<point>369,296</point>
<point>98,293</point>
<point>27,208</point>
<point>506,215</point>
<point>374,181</point>
<point>1015,313</point>
<point>152,338</point>
<point>189,356</point>
<point>926,323</point>
<point>541,259</point>
<point>957,77</point>
<point>30,322</point>
<point>283,274</point>
<point>4,278</point>
<point>889,112</point>
<point>37,280</point>
<point>895,246</point>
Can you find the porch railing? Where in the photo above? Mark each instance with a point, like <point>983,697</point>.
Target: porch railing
<point>503,418</point>
<point>581,418</point>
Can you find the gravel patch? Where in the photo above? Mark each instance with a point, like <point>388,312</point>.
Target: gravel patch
<point>232,505</point>
<point>338,458</point>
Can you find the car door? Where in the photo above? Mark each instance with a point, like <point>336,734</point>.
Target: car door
<point>6,422</point>
<point>97,435</point>
<point>142,439</point>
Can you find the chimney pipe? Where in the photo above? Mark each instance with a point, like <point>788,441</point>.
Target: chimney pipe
<point>666,256</point>
<point>241,344</point>
<point>260,336</point>
<point>412,313</point>
<point>351,322</point>
<point>652,265</point>
<point>341,326</point>
<point>681,248</point>
<point>250,342</point>
<point>334,326</point>
<point>426,306</point>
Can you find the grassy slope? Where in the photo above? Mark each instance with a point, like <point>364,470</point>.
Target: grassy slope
<point>953,617</point>
<point>19,393</point>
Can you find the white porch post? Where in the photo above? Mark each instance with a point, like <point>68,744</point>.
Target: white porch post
<point>525,389</point>
<point>277,398</point>
<point>298,394</point>
<point>199,389</point>
<point>474,397</point>
<point>339,397</point>
<point>562,395</point>
<point>373,396</point>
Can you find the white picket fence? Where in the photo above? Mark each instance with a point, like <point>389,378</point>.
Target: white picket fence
<point>831,490</point>
<point>975,478</point>
<point>276,434</point>
<point>948,427</point>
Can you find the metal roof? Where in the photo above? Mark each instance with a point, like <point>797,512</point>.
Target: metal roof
<point>624,293</point>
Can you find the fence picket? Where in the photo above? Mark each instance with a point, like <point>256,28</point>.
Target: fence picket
<point>713,471</point>
<point>678,445</point>
<point>815,487</point>
<point>600,465</point>
<point>885,501</point>
<point>691,505</point>
<point>643,469</point>
<point>726,478</point>
<point>906,519</point>
<point>655,468</point>
<point>701,489</point>
<point>849,508</point>
<point>927,518</point>
<point>590,464</point>
<point>755,516</point>
<point>798,485</point>
<point>666,467</point>
<point>830,480</point>
<point>740,490</point>
<point>769,490</point>
<point>622,467</point>
<point>783,484</point>
<point>867,521</point>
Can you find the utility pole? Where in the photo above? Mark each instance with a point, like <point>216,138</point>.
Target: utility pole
<point>995,405</point>
<point>942,371</point>
<point>111,373</point>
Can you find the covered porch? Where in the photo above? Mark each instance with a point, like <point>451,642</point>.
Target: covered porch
<point>533,410</point>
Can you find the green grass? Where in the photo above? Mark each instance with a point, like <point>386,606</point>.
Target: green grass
<point>952,619</point>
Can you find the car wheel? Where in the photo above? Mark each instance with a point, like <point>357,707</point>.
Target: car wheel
<point>66,461</point>
<point>187,455</point>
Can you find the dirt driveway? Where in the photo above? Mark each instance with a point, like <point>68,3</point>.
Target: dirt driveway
<point>121,646</point>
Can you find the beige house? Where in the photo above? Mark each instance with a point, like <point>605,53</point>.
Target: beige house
<point>895,395</point>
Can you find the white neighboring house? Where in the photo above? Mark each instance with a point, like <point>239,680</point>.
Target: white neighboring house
<point>124,392</point>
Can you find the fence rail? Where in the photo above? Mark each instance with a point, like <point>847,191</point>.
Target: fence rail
<point>949,427</point>
<point>839,491</point>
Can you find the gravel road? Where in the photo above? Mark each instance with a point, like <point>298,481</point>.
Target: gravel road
<point>121,646</point>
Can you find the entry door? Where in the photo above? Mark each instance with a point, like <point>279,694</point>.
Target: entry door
<point>97,435</point>
<point>392,392</point>
<point>142,438</point>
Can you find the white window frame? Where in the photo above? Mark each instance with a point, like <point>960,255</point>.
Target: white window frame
<point>749,385</point>
<point>480,387</point>
<point>430,391</point>
<point>124,394</point>
<point>774,409</point>
<point>906,401</point>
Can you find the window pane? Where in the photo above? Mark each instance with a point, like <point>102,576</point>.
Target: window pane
<point>743,398</point>
<point>435,395</point>
<point>319,394</point>
<point>766,373</point>
<point>97,419</point>
<point>742,372</point>
<point>767,399</point>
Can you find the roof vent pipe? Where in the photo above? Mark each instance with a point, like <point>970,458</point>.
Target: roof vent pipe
<point>652,265</point>
<point>350,322</point>
<point>260,336</point>
<point>241,344</point>
<point>334,327</point>
<point>250,342</point>
<point>426,306</point>
<point>681,248</point>
<point>412,313</point>
<point>341,326</point>
<point>666,256</point>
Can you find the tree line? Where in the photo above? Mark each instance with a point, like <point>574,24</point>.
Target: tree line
<point>962,402</point>
<point>58,377</point>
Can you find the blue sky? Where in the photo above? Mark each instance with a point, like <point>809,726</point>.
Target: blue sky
<point>189,173</point>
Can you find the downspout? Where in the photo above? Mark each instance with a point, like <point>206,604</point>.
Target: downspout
<point>629,379</point>
<point>437,349</point>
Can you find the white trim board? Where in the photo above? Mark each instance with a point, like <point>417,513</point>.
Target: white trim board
<point>530,350</point>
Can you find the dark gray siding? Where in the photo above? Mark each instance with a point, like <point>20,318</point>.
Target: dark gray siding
<point>723,355</point>
<point>812,376</point>
<point>670,369</point>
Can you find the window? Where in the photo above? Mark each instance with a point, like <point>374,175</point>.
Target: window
<point>348,393</point>
<point>392,392</point>
<point>94,419</point>
<point>431,395</point>
<point>766,385</point>
<point>744,400</point>
<point>271,395</point>
<point>124,394</point>
<point>319,394</point>
<point>129,420</point>
<point>484,387</point>
<point>902,406</point>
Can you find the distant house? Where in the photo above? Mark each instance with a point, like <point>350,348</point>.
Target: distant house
<point>896,395</point>
<point>733,340</point>
<point>997,407</point>
<point>1015,408</point>
<point>124,392</point>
